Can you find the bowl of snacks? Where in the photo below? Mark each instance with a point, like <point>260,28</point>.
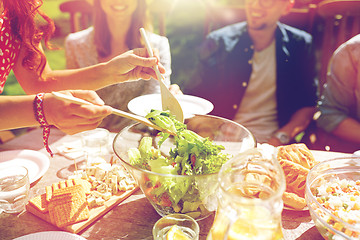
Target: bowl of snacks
<point>333,197</point>
<point>179,173</point>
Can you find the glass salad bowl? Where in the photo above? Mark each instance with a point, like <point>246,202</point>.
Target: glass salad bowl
<point>194,195</point>
<point>333,197</point>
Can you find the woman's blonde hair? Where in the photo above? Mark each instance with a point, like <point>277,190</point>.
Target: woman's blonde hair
<point>102,38</point>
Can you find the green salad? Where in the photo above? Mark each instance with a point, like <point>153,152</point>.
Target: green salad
<point>191,155</point>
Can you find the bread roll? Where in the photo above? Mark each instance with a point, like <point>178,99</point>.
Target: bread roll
<point>294,201</point>
<point>295,176</point>
<point>297,153</point>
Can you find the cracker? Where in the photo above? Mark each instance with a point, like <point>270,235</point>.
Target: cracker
<point>68,206</point>
<point>62,184</point>
<point>72,192</point>
<point>40,203</point>
<point>48,190</point>
<point>69,183</point>
<point>68,211</point>
<point>55,186</point>
<point>84,183</point>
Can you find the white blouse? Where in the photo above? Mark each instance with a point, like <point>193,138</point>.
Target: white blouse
<point>81,52</point>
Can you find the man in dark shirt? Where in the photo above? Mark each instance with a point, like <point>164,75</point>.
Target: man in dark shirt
<point>260,73</point>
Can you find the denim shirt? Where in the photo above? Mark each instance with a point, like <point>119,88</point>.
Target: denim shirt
<point>224,70</point>
<point>341,96</point>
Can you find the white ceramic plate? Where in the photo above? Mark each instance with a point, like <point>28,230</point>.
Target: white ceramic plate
<point>190,104</point>
<point>37,163</point>
<point>53,235</point>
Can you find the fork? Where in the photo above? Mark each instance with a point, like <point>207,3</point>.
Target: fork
<point>168,101</point>
<point>115,111</point>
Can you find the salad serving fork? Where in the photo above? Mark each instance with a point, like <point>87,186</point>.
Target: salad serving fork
<point>115,111</point>
<point>168,100</point>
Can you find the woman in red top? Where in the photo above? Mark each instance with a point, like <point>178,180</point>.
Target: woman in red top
<point>31,62</point>
<point>21,51</point>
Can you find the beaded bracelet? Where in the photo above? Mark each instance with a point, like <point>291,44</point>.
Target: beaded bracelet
<point>40,117</point>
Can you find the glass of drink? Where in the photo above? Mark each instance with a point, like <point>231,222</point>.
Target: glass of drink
<point>14,188</point>
<point>250,198</point>
<point>176,226</point>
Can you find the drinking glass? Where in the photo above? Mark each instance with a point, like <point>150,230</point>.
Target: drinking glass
<point>96,149</point>
<point>184,223</point>
<point>250,198</point>
<point>14,188</point>
<point>96,145</point>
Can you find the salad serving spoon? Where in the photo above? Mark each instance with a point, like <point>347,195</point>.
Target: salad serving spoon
<point>115,111</point>
<point>168,101</point>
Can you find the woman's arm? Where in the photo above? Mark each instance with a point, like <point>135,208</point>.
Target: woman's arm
<point>131,65</point>
<point>18,112</point>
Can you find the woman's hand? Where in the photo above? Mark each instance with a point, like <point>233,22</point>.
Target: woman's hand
<point>73,118</point>
<point>133,65</point>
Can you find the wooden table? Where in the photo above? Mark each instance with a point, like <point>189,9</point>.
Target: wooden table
<point>131,219</point>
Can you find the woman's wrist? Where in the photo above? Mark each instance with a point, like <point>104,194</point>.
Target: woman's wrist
<point>40,117</point>
<point>107,73</point>
<point>39,109</point>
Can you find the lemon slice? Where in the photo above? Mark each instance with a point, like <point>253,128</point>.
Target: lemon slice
<point>251,226</point>
<point>175,233</point>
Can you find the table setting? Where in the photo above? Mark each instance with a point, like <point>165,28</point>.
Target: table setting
<point>174,174</point>
<point>134,217</point>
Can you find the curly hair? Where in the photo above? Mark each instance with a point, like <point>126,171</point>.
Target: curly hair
<point>27,25</point>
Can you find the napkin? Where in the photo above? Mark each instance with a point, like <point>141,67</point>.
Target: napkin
<point>71,150</point>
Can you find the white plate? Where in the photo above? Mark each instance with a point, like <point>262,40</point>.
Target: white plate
<point>53,235</point>
<point>37,163</point>
<point>190,104</point>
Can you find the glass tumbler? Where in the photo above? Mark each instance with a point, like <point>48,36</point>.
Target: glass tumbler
<point>249,198</point>
<point>173,226</point>
<point>14,188</point>
<point>96,145</point>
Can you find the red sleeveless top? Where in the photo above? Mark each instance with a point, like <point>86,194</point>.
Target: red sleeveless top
<point>9,49</point>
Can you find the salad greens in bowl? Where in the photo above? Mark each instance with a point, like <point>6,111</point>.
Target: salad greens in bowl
<point>178,173</point>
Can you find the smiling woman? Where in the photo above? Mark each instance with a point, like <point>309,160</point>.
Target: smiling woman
<point>105,39</point>
<point>111,40</point>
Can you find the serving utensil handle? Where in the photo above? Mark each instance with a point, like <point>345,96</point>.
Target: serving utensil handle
<point>150,52</point>
<point>115,111</point>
